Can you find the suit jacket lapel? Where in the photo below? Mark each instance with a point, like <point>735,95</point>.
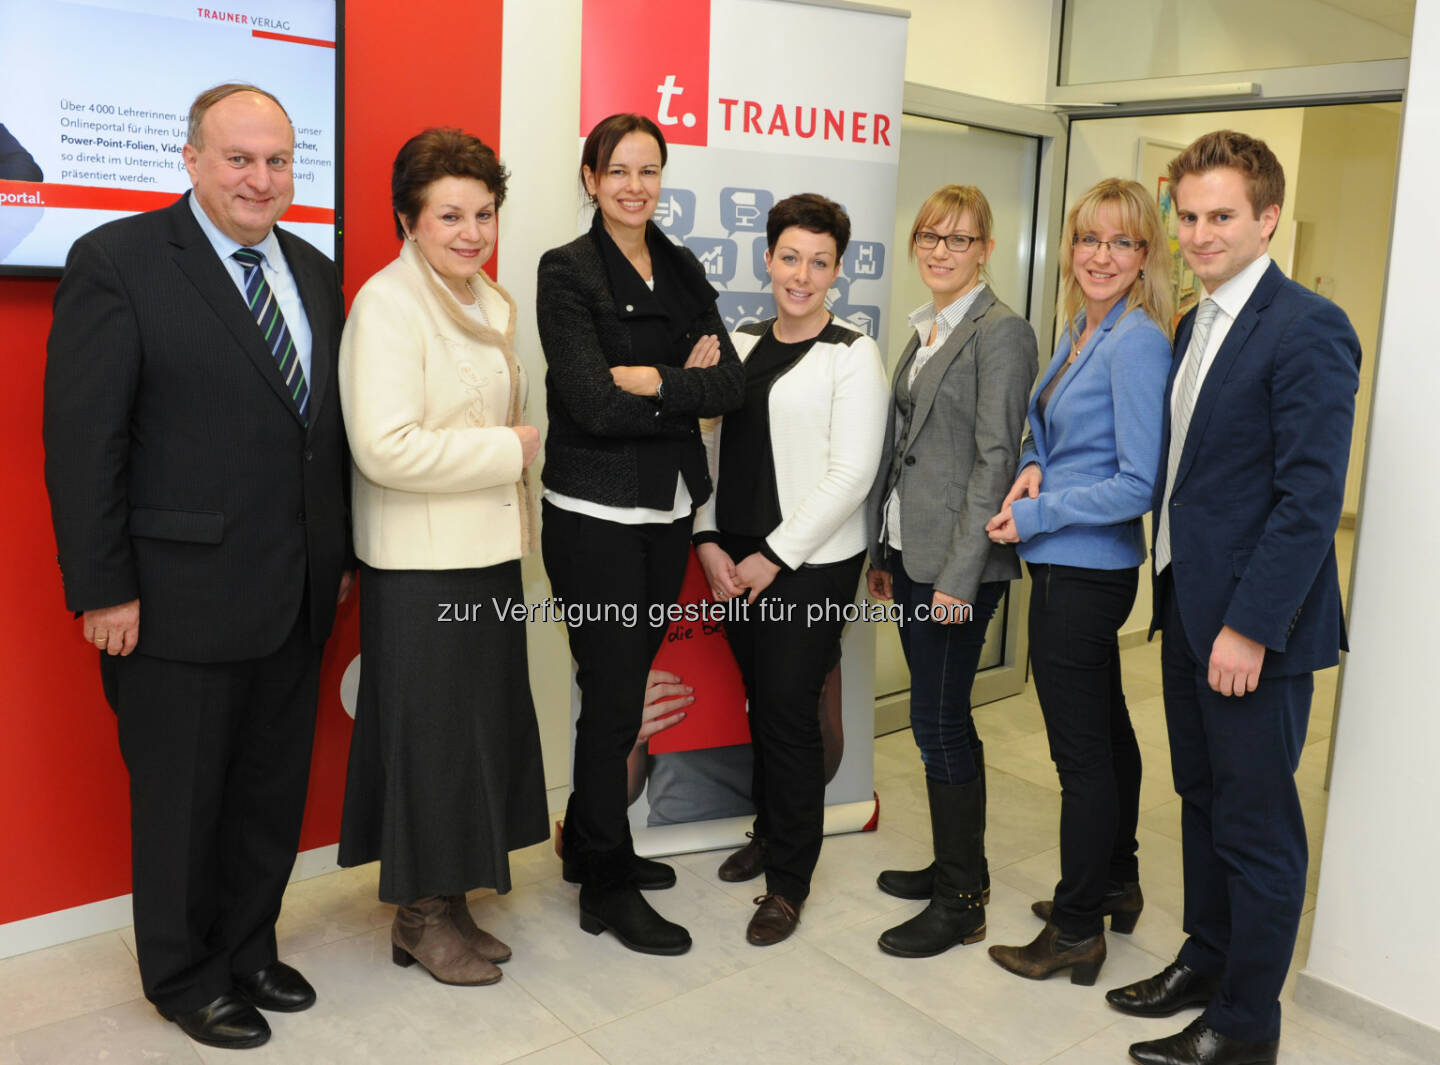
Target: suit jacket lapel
<point>1225,362</point>
<point>927,382</point>
<point>196,259</point>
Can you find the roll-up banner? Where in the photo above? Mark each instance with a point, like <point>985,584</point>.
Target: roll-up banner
<point>758,100</point>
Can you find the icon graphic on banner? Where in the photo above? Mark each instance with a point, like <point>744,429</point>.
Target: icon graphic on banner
<point>757,261</point>
<point>668,89</point>
<point>744,208</point>
<point>865,319</point>
<point>744,308</point>
<point>864,260</point>
<point>675,211</point>
<point>717,255</point>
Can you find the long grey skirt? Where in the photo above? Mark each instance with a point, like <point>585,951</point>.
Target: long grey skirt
<point>445,777</point>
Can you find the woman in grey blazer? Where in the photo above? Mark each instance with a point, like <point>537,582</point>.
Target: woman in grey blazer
<point>951,439</point>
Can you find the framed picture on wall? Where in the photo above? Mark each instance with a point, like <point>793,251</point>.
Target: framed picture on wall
<point>1152,164</point>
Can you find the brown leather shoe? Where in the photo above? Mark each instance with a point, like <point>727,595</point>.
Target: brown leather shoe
<point>424,932</point>
<point>1122,903</point>
<point>774,921</point>
<point>745,864</point>
<point>1049,952</point>
<point>481,941</point>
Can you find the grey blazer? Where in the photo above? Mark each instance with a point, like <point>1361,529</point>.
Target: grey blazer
<point>958,458</point>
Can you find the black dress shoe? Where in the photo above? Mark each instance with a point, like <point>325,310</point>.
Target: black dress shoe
<point>745,864</point>
<point>1199,1044</point>
<point>276,987</point>
<point>1167,992</point>
<point>229,1022</point>
<point>645,874</point>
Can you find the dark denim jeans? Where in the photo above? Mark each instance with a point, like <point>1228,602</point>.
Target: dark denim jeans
<point>942,660</point>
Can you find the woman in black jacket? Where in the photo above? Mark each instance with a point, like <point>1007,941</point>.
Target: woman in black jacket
<point>636,353</point>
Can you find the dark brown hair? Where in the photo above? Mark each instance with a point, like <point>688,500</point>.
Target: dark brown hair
<point>212,96</point>
<point>609,132</point>
<point>440,152</point>
<point>809,211</point>
<point>1263,174</point>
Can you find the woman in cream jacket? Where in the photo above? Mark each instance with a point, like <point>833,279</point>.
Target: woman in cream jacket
<point>445,775</point>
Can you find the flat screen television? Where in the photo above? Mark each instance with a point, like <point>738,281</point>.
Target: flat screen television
<point>93,102</point>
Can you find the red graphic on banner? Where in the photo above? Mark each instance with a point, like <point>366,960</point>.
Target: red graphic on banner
<point>697,653</point>
<point>636,55</point>
<point>89,197</point>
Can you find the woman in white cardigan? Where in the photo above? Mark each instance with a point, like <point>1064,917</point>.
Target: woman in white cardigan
<point>786,527</point>
<point>445,775</point>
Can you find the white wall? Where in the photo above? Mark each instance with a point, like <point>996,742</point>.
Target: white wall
<point>1376,922</point>
<point>998,49</point>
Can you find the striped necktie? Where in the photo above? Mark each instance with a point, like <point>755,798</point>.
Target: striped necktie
<point>266,309</point>
<point>1187,388</point>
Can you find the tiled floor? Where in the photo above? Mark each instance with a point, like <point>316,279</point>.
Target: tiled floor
<point>827,995</point>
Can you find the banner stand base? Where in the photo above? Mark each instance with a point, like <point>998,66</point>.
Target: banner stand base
<point>662,840</point>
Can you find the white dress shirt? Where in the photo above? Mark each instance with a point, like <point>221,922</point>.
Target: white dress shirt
<point>277,275</point>
<point>1230,299</point>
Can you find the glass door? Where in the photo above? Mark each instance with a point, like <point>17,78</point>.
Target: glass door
<point>1009,152</point>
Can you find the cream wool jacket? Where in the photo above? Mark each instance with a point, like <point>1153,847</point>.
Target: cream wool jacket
<point>827,422</point>
<point>428,395</point>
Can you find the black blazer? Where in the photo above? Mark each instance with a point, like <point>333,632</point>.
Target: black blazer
<point>1261,480</point>
<point>179,470</point>
<point>604,444</point>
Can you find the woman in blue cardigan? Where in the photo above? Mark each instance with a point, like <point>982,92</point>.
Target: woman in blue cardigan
<point>1086,474</point>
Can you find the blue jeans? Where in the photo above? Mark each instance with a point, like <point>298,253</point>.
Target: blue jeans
<point>942,661</point>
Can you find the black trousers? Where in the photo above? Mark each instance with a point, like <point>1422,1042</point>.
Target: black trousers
<point>607,576</point>
<point>1241,826</point>
<point>219,761</point>
<point>1075,614</point>
<point>785,647</point>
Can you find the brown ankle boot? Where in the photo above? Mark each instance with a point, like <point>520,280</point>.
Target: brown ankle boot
<point>481,941</point>
<point>1050,952</point>
<point>424,932</point>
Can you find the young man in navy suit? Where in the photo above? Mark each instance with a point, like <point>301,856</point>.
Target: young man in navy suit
<point>197,469</point>
<point>1252,479</point>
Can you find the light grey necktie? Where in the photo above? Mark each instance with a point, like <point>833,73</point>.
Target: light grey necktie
<point>1187,386</point>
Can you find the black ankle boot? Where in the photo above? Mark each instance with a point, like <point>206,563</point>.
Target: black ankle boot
<point>956,913</point>
<point>624,913</point>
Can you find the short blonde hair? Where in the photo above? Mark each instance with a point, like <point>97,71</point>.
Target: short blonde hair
<point>1139,219</point>
<point>952,201</point>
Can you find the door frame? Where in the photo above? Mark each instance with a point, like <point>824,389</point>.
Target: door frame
<point>892,711</point>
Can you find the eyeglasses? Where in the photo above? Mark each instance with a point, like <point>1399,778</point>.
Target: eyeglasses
<point>1120,246</point>
<point>958,242</point>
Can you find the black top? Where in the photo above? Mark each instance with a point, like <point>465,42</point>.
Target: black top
<point>1043,399</point>
<point>748,503</point>
<point>595,312</point>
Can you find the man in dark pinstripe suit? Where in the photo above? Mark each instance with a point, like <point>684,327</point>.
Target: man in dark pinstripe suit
<point>196,464</point>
